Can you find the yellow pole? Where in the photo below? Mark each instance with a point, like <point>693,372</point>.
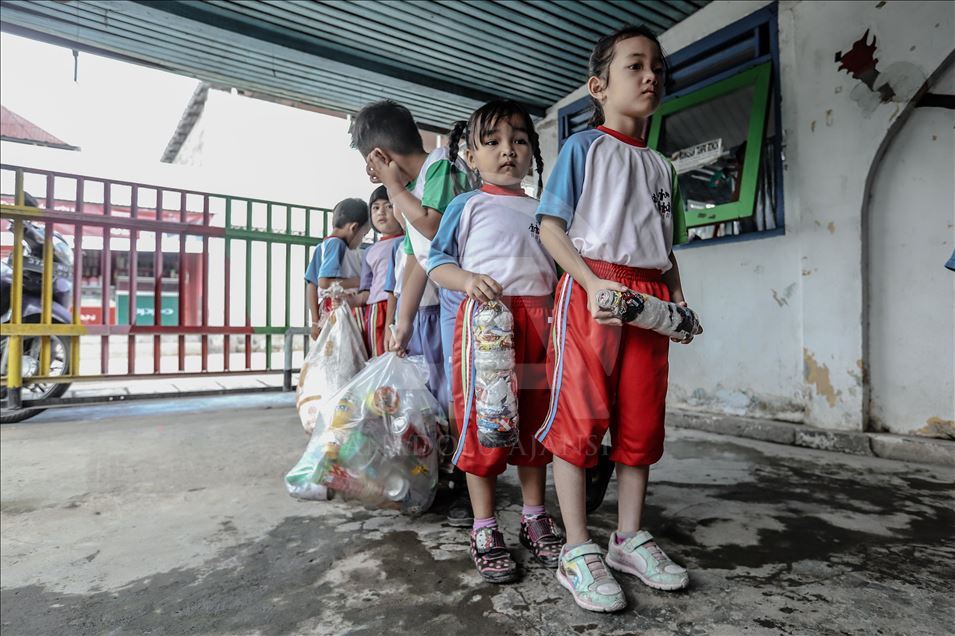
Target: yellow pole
<point>15,344</point>
<point>47,307</point>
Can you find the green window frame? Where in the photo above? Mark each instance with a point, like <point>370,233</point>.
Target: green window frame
<point>759,77</point>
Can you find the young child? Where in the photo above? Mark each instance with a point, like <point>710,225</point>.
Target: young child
<point>487,247</point>
<point>379,301</point>
<point>337,259</point>
<point>610,213</point>
<point>420,185</point>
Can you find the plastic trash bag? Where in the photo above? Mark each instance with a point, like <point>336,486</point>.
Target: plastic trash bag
<point>648,312</point>
<point>495,379</point>
<point>376,440</point>
<point>334,359</point>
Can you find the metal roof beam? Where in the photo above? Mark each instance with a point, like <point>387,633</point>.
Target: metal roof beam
<point>236,23</point>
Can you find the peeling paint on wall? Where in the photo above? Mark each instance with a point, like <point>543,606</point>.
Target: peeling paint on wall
<point>897,83</point>
<point>818,375</point>
<point>937,427</point>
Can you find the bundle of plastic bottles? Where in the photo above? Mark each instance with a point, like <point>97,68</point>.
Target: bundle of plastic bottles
<point>495,380</point>
<point>376,441</point>
<point>648,312</point>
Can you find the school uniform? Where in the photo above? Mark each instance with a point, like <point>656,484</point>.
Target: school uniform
<point>623,211</point>
<point>493,231</point>
<point>374,272</point>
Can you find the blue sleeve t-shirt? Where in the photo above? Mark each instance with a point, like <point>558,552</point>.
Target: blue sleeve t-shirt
<point>311,272</point>
<point>333,254</point>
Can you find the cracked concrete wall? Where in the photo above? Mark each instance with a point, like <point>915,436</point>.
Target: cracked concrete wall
<point>784,316</point>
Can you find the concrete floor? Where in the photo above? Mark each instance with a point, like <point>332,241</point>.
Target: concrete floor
<point>172,518</point>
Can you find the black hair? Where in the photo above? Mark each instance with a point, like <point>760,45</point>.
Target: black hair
<point>380,194</point>
<point>483,120</point>
<point>387,125</point>
<point>602,56</point>
<point>350,211</point>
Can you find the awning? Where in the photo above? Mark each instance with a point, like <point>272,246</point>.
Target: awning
<point>441,58</point>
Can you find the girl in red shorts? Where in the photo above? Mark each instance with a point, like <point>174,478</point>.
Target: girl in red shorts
<point>487,247</point>
<point>609,215</point>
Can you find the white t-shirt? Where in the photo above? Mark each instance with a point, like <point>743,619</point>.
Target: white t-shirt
<point>493,231</point>
<point>620,200</point>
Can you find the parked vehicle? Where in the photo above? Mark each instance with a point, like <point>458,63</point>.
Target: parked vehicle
<point>31,312</point>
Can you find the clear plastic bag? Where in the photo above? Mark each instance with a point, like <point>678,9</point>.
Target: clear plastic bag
<point>376,440</point>
<point>495,379</point>
<point>334,359</point>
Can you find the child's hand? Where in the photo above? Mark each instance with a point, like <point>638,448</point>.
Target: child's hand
<point>482,288</point>
<point>400,336</point>
<point>379,166</point>
<point>602,316</point>
<point>315,331</point>
<point>689,339</point>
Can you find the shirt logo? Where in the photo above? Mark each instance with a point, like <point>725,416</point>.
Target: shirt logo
<point>662,200</point>
<point>535,229</point>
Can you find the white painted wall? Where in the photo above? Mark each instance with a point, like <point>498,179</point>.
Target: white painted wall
<point>911,296</point>
<point>784,315</point>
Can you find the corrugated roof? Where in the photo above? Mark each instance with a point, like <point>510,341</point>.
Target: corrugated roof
<point>441,58</point>
<point>14,127</point>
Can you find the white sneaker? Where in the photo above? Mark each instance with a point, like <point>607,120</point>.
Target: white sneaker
<point>641,556</point>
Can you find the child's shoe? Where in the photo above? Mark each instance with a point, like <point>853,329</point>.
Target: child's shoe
<point>491,557</point>
<point>543,538</point>
<point>641,556</point>
<point>583,572</point>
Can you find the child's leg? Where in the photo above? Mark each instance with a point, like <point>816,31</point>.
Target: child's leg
<point>481,491</point>
<point>631,495</point>
<point>571,483</point>
<point>637,443</point>
<point>532,484</point>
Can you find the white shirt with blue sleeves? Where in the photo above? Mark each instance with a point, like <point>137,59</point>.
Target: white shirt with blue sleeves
<point>493,231</point>
<point>619,199</point>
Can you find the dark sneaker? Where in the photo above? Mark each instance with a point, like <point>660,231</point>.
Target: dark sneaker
<point>598,478</point>
<point>491,557</point>
<point>543,538</point>
<point>460,514</point>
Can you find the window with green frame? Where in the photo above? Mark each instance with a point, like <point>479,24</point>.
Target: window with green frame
<point>714,136</point>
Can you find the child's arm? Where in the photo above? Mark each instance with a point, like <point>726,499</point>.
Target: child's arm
<point>357,300</point>
<point>425,219</point>
<point>311,299</point>
<point>412,288</point>
<point>346,283</point>
<point>479,287</point>
<point>672,280</point>
<point>443,259</point>
<point>557,243</point>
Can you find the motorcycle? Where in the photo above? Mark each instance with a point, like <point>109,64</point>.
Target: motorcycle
<point>31,312</point>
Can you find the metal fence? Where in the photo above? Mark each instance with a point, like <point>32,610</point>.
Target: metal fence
<point>204,248</point>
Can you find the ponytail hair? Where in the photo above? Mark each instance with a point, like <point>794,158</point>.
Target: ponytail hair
<point>484,119</point>
<point>458,130</point>
<point>602,56</point>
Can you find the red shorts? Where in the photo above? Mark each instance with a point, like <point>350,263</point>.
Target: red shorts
<point>605,376</point>
<point>374,322</point>
<point>531,314</point>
